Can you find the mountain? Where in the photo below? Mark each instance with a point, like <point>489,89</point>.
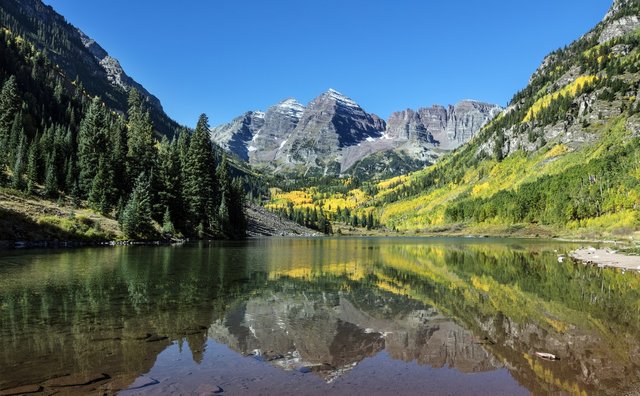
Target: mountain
<point>561,159</point>
<point>333,135</point>
<point>68,151</point>
<point>79,56</point>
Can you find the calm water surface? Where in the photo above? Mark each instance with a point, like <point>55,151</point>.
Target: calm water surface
<point>317,316</point>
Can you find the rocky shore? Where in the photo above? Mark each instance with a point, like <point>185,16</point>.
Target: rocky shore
<point>607,258</point>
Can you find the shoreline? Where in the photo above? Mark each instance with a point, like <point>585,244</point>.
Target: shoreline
<point>606,258</point>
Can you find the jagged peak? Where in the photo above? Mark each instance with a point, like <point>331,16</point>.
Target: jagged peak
<point>291,103</point>
<point>339,97</point>
<point>289,106</point>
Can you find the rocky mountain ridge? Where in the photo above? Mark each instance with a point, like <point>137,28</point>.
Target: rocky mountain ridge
<point>79,57</point>
<point>333,135</point>
<point>562,158</point>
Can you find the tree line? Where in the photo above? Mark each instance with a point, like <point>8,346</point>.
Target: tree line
<point>58,142</point>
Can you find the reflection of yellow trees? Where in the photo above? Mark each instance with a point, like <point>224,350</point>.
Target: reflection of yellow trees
<point>304,258</point>
<point>518,305</point>
<point>352,270</point>
<point>387,283</point>
<point>548,377</point>
<point>556,312</point>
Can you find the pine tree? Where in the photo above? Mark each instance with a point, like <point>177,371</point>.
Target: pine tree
<point>497,148</point>
<point>17,131</point>
<point>199,184</point>
<point>223,216</point>
<point>32,167</point>
<point>92,142</point>
<point>168,230</point>
<point>9,107</point>
<point>168,177</point>
<point>135,220</point>
<point>19,165</point>
<point>237,216</point>
<point>119,151</point>
<point>226,196</point>
<point>51,178</point>
<point>140,142</point>
<point>101,193</point>
<point>70,175</point>
<point>370,224</point>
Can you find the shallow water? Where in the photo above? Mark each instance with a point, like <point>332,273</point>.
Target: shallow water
<point>310,316</point>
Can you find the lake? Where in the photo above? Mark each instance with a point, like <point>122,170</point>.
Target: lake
<point>357,316</point>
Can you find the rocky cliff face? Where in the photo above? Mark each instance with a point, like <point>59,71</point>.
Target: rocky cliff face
<point>333,135</point>
<point>443,127</point>
<point>331,333</point>
<point>601,56</point>
<point>78,55</point>
<point>115,74</point>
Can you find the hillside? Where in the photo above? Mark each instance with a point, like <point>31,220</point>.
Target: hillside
<point>74,168</point>
<point>79,57</point>
<point>562,159</point>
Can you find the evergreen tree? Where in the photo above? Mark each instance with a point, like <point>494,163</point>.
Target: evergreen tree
<point>135,220</point>
<point>122,183</point>
<point>199,184</point>
<point>141,150</point>
<point>9,107</point>
<point>168,177</point>
<point>497,148</point>
<point>19,165</point>
<point>237,216</point>
<point>70,176</point>
<point>92,142</point>
<point>32,167</point>
<point>17,131</point>
<point>51,178</point>
<point>168,230</point>
<point>226,196</point>
<point>100,195</point>
<point>223,216</point>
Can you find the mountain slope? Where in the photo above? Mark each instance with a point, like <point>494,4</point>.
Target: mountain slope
<point>333,135</point>
<point>79,56</point>
<point>564,154</point>
<point>563,158</point>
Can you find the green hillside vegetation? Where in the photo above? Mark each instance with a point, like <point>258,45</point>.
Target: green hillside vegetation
<point>63,146</point>
<point>60,43</point>
<point>587,182</point>
<point>562,159</point>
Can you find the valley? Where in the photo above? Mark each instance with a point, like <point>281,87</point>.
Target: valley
<point>319,246</point>
<point>560,160</point>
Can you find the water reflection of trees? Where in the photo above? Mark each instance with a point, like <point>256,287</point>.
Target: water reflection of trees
<point>94,310</point>
<point>108,310</point>
<point>525,301</point>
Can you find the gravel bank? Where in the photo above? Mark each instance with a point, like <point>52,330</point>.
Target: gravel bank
<point>607,258</point>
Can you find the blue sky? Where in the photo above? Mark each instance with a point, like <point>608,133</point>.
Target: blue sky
<point>226,57</point>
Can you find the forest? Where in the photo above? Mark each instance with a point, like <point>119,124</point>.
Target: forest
<point>60,143</point>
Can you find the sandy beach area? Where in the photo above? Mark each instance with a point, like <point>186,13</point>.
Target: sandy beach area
<point>606,258</point>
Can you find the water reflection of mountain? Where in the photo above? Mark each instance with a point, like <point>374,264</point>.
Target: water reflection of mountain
<point>323,304</point>
<point>331,331</point>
